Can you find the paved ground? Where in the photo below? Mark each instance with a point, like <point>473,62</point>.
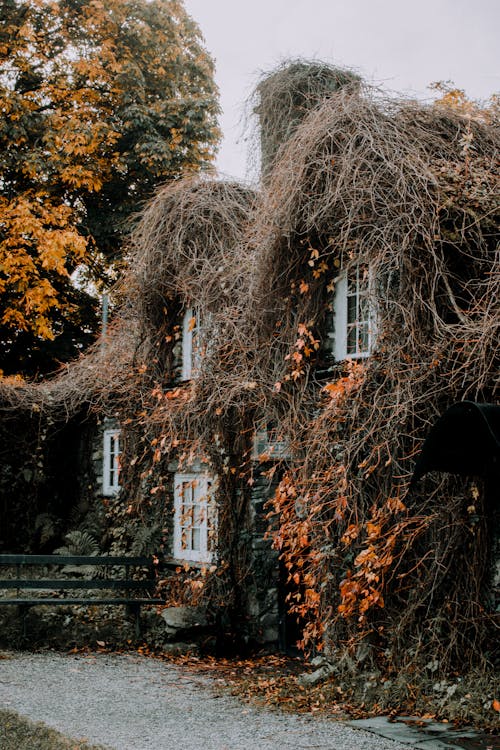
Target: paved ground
<point>427,734</point>
<point>130,702</point>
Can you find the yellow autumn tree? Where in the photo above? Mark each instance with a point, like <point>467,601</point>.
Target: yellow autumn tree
<point>99,103</point>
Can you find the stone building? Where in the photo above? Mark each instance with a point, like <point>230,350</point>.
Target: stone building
<point>257,408</point>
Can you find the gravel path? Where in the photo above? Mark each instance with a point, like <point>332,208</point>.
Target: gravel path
<point>129,702</point>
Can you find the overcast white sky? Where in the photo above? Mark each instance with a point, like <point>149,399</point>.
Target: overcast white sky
<point>402,45</point>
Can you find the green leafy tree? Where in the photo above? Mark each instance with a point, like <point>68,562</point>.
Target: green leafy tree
<point>100,102</point>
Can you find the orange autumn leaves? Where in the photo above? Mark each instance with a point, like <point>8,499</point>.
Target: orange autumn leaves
<point>312,512</point>
<point>99,104</point>
<point>307,510</point>
<point>29,221</point>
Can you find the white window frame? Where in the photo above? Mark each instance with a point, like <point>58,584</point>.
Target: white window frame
<point>111,462</point>
<point>191,342</point>
<point>342,324</point>
<point>186,544</point>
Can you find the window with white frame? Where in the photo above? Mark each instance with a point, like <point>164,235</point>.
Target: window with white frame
<point>191,342</point>
<point>111,462</point>
<point>354,318</point>
<point>194,517</point>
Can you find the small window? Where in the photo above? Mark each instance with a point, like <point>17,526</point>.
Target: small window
<point>194,527</point>
<point>354,320</point>
<point>111,462</point>
<point>191,343</point>
<point>269,443</point>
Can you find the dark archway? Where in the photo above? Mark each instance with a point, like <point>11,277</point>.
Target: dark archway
<point>465,440</point>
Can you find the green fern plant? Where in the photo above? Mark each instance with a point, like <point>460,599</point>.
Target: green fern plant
<point>47,527</point>
<point>146,540</point>
<point>79,543</point>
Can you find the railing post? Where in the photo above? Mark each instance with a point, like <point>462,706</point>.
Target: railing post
<point>24,611</point>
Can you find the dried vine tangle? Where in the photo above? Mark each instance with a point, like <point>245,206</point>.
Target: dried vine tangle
<point>408,191</point>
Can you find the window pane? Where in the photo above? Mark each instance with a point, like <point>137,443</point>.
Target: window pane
<point>113,456</point>
<point>111,462</point>
<point>363,308</point>
<point>195,543</point>
<point>363,343</point>
<point>358,312</point>
<point>351,339</point>
<point>197,343</point>
<point>186,538</point>
<point>351,309</point>
<point>186,515</point>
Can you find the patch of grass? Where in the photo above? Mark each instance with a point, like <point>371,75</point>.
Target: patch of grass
<point>19,733</point>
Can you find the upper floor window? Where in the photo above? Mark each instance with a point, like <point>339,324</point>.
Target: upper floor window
<point>191,342</point>
<point>194,527</point>
<point>354,319</point>
<point>111,462</point>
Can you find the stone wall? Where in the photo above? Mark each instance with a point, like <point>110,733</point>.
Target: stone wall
<point>264,599</point>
